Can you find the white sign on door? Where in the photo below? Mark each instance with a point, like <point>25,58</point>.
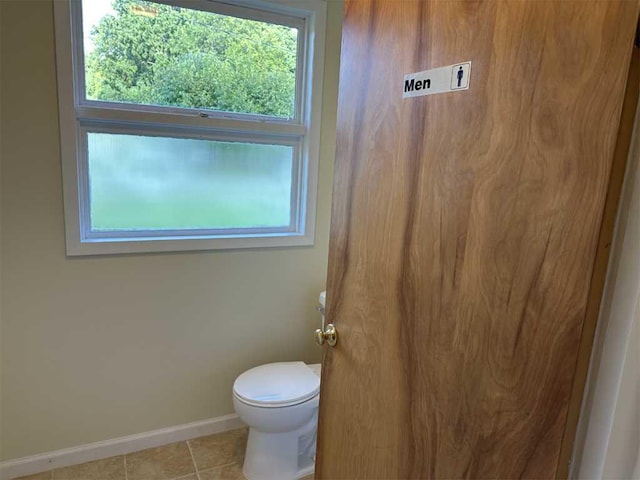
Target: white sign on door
<point>437,80</point>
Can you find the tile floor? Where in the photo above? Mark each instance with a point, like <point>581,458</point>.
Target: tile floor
<point>214,457</point>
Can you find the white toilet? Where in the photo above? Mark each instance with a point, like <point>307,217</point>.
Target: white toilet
<point>279,402</point>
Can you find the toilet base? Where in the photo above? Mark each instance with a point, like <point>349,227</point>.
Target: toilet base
<point>280,456</point>
<point>310,470</point>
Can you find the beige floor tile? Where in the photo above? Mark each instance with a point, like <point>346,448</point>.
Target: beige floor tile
<point>193,476</point>
<point>230,472</point>
<point>162,463</point>
<point>219,449</point>
<point>106,469</point>
<point>37,476</point>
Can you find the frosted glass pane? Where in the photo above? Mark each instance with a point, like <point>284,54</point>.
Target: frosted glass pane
<point>144,52</point>
<point>149,183</point>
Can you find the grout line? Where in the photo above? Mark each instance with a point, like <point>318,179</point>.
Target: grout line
<point>216,467</point>
<point>223,465</point>
<point>195,465</point>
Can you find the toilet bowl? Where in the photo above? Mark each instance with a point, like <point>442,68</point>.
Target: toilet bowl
<point>279,403</point>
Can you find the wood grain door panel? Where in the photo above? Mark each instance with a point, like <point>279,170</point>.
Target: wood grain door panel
<point>463,235</point>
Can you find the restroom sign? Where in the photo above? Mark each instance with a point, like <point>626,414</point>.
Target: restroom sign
<point>437,80</point>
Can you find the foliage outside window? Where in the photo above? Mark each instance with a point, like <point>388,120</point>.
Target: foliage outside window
<point>165,55</point>
<point>188,125</point>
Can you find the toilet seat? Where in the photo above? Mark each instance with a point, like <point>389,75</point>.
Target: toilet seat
<point>280,384</point>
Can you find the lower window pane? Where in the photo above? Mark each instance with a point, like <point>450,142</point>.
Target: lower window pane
<point>156,183</point>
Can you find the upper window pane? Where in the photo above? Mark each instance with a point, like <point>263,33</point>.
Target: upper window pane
<point>143,52</point>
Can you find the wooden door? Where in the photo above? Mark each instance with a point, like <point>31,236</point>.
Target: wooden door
<point>464,233</point>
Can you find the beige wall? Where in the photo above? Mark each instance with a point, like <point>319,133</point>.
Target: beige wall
<point>96,348</point>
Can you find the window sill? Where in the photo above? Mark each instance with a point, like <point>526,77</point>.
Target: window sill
<point>184,244</point>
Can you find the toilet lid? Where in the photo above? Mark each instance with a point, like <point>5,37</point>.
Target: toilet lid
<point>277,384</point>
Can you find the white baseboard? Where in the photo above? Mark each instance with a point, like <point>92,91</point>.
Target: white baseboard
<point>117,446</point>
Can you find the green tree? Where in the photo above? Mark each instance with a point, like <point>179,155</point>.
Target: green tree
<point>164,55</point>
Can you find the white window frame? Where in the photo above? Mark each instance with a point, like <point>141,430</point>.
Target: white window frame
<point>79,116</point>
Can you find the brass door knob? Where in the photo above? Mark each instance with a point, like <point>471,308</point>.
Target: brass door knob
<point>329,335</point>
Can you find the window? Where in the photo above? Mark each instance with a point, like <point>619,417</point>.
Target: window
<point>189,125</point>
